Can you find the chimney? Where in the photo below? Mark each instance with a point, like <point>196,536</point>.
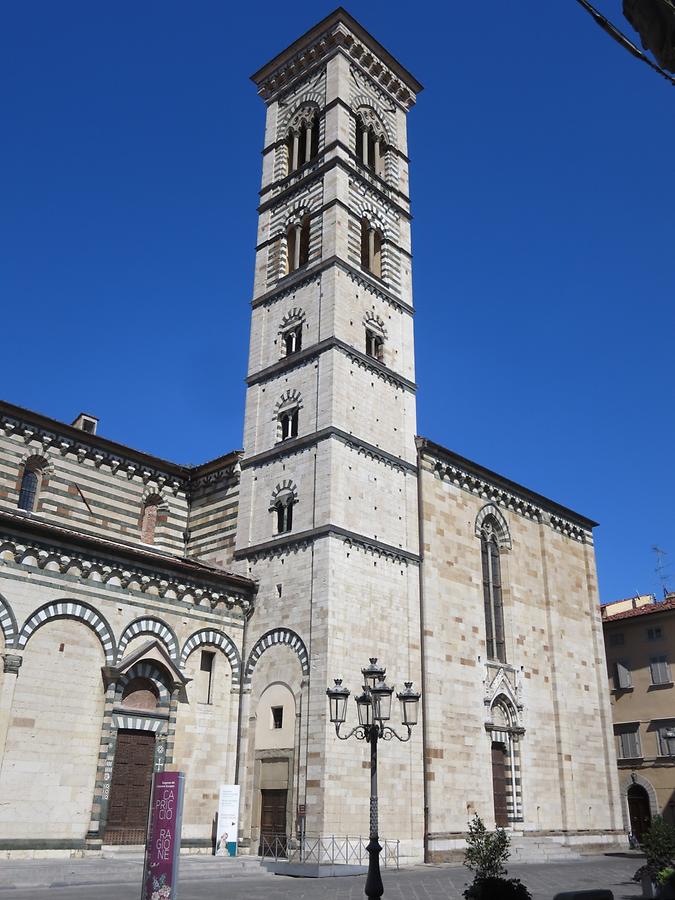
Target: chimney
<point>86,423</point>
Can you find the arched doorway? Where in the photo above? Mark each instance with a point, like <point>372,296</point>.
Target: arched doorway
<point>639,811</point>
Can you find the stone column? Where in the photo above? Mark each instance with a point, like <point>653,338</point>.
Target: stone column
<point>364,146</point>
<point>371,249</point>
<point>308,142</point>
<point>378,156</point>
<point>296,248</point>
<point>11,665</point>
<point>296,151</point>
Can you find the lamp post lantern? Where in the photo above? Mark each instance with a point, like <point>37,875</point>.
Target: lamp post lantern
<point>373,708</point>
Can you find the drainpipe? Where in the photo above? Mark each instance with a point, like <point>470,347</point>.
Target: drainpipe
<point>420,522</point>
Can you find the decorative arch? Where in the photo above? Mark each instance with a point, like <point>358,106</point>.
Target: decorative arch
<point>148,625</point>
<point>145,669</point>
<point>296,216</point>
<point>375,218</point>
<point>305,114</point>
<point>218,639</point>
<point>7,622</point>
<point>503,712</point>
<point>36,462</point>
<point>494,516</point>
<point>295,316</point>
<point>271,639</point>
<point>289,398</point>
<point>69,609</point>
<point>286,491</point>
<point>372,122</point>
<point>375,322</point>
<point>152,494</point>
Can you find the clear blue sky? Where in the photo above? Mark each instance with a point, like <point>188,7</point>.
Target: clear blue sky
<point>543,237</point>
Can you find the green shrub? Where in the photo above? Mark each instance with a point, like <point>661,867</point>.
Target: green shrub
<point>497,889</point>
<point>658,846</point>
<point>486,852</point>
<point>665,875</point>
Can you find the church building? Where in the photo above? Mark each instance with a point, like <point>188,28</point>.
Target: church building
<point>158,616</point>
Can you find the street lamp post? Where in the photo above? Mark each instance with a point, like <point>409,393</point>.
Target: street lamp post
<point>374,709</point>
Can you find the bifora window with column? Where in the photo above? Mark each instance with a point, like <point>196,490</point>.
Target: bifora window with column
<point>302,140</point>
<point>297,243</point>
<point>371,248</point>
<point>371,141</point>
<point>284,498</point>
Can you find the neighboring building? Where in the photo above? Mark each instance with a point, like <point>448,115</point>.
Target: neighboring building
<point>640,646</point>
<point>193,617</point>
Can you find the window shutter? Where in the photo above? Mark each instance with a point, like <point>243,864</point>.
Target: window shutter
<point>660,670</point>
<point>623,676</point>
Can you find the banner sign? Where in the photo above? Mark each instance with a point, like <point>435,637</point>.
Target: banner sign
<point>228,820</point>
<point>160,875</point>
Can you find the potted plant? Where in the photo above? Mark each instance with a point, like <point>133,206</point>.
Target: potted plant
<point>658,846</point>
<point>486,854</point>
<point>665,881</point>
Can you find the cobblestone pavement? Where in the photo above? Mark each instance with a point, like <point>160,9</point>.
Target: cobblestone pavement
<point>208,879</point>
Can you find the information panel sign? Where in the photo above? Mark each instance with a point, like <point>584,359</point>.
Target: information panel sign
<point>228,820</point>
<point>162,850</point>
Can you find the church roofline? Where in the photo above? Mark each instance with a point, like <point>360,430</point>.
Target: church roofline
<point>87,439</point>
<point>332,22</point>
<point>31,524</point>
<point>424,445</point>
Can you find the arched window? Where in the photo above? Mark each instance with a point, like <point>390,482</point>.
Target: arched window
<point>371,248</point>
<point>492,591</point>
<point>302,142</point>
<point>29,489</point>
<point>374,344</point>
<point>282,508</point>
<point>149,520</point>
<point>297,244</point>
<point>370,141</point>
<point>292,338</point>
<point>288,423</point>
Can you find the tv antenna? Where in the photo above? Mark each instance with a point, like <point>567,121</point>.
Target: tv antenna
<point>661,568</point>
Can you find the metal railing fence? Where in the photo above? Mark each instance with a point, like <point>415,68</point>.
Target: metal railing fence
<point>327,850</point>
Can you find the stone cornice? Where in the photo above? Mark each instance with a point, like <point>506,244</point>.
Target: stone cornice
<point>57,437</point>
<point>333,343</point>
<point>287,448</point>
<point>339,30</point>
<point>29,542</point>
<point>291,283</point>
<point>508,494</point>
<point>285,542</point>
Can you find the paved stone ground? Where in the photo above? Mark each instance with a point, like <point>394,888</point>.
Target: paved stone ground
<point>206,878</point>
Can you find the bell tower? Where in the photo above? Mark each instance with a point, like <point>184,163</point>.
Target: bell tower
<point>328,520</point>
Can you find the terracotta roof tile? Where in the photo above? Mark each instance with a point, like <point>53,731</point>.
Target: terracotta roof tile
<point>648,609</point>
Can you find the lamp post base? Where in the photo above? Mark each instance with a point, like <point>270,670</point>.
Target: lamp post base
<point>374,886</point>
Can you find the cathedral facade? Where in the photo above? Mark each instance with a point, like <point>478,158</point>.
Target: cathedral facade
<point>157,616</point>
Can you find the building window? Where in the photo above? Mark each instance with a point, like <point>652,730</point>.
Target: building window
<point>277,717</point>
<point>29,489</point>
<point>667,740</point>
<point>302,142</point>
<point>371,248</point>
<point>628,742</point>
<point>374,344</point>
<point>293,340</point>
<point>288,422</point>
<point>297,244</point>
<point>206,666</point>
<point>492,592</point>
<point>283,511</point>
<point>660,670</point>
<point>623,679</point>
<point>149,520</point>
<point>616,639</point>
<point>370,145</point>
<point>654,634</point>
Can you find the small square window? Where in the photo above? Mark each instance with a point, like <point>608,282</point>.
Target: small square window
<point>277,717</point>
<point>654,634</point>
<point>616,639</point>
